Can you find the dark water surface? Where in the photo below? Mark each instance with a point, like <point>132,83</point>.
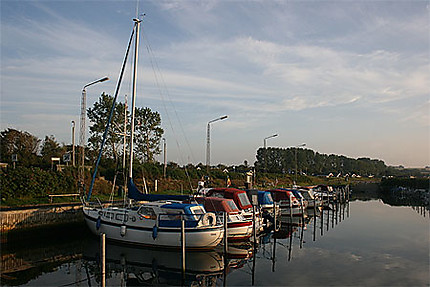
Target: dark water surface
<point>363,243</point>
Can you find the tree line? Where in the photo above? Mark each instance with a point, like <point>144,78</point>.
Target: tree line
<point>309,162</point>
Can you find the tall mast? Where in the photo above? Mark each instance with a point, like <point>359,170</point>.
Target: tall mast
<point>133,96</point>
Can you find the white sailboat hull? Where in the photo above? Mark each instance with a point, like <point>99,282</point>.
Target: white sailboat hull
<point>138,230</point>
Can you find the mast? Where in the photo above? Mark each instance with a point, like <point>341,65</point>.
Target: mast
<point>133,96</point>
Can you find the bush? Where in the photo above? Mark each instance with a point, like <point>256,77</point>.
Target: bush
<point>34,182</point>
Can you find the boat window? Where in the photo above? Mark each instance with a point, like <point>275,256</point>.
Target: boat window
<point>232,205</point>
<point>147,212</point>
<point>243,198</point>
<point>197,210</point>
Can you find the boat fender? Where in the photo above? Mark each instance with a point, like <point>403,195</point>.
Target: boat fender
<point>209,219</point>
<point>123,230</point>
<point>133,218</point>
<point>98,223</point>
<point>154,232</point>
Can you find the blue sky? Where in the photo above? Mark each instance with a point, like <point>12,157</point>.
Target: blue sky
<point>344,77</point>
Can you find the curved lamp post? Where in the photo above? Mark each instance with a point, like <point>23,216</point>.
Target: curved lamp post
<point>265,151</point>
<point>302,145</point>
<point>83,126</point>
<point>208,141</point>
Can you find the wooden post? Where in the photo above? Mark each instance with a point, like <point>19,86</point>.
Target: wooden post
<point>274,216</point>
<point>103,258</point>
<point>183,244</point>
<point>291,210</point>
<point>254,228</point>
<point>225,235</point>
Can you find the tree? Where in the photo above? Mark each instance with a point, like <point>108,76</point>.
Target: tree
<point>50,148</point>
<point>148,134</point>
<point>23,144</point>
<point>99,115</point>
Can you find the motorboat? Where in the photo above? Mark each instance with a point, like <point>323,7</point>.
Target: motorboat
<point>238,227</point>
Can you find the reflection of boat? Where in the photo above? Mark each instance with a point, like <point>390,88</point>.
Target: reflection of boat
<point>151,223</point>
<point>238,228</point>
<point>157,266</point>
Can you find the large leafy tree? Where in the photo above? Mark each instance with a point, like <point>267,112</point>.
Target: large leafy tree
<point>99,115</point>
<point>21,143</point>
<point>148,132</point>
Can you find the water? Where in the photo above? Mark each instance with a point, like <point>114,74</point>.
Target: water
<point>364,243</point>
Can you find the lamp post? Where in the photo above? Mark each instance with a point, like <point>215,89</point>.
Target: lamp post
<point>73,143</point>
<point>208,141</point>
<point>83,127</point>
<point>302,145</point>
<point>265,151</point>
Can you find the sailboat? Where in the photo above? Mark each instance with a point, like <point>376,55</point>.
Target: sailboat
<point>151,219</point>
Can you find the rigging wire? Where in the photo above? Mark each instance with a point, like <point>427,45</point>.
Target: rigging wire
<point>158,79</point>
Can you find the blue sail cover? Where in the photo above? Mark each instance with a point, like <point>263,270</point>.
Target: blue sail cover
<point>134,193</point>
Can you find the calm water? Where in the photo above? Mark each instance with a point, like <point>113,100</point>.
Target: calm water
<point>365,243</point>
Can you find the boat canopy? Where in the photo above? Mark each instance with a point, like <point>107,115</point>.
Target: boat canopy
<point>239,196</point>
<point>264,197</point>
<point>134,193</point>
<point>281,194</point>
<point>297,194</point>
<point>217,204</point>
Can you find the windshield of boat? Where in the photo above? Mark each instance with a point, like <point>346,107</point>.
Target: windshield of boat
<point>243,199</point>
<point>232,205</point>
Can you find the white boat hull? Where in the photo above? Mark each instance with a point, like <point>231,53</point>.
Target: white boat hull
<point>141,230</point>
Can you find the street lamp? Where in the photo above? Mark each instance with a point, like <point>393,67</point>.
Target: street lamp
<point>208,141</point>
<point>265,151</point>
<point>83,127</point>
<point>302,145</point>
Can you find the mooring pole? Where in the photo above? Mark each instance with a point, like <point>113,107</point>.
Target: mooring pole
<point>274,216</point>
<point>254,230</point>
<point>183,244</point>
<point>103,258</point>
<point>225,235</point>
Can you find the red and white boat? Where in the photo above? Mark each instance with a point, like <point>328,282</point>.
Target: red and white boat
<point>238,227</point>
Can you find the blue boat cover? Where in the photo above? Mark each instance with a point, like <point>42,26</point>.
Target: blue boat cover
<point>264,197</point>
<point>183,206</point>
<point>134,193</point>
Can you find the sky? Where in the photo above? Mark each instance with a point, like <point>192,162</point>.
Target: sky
<point>344,77</point>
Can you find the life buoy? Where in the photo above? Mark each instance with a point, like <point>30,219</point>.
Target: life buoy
<point>209,219</point>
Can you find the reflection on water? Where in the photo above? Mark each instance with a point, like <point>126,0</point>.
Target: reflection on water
<point>360,243</point>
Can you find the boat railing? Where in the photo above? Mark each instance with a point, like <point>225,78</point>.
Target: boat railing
<point>191,220</point>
